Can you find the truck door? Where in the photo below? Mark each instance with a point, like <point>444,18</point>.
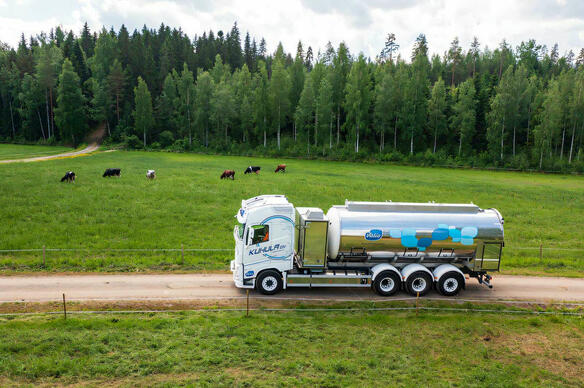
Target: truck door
<point>269,245</point>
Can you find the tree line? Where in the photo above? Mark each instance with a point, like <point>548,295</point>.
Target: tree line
<point>157,88</point>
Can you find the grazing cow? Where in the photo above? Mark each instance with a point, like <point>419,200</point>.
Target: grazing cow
<point>281,167</point>
<point>112,172</point>
<point>151,174</point>
<point>228,174</point>
<point>69,177</point>
<point>254,169</point>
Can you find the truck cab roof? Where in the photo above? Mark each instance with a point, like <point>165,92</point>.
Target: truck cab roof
<point>260,201</point>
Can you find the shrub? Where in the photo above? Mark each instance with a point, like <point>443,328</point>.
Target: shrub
<point>132,142</point>
<point>166,139</point>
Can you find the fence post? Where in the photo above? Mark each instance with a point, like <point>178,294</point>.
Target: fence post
<point>182,253</point>
<point>247,305</point>
<point>417,299</point>
<point>64,307</point>
<point>540,252</point>
<point>44,258</point>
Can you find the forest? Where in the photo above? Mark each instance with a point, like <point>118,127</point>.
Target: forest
<point>515,107</point>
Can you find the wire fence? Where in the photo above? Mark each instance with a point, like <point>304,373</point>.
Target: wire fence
<point>308,310</point>
<point>214,258</point>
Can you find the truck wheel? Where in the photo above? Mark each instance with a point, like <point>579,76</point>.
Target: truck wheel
<point>387,283</point>
<point>419,282</point>
<point>450,283</point>
<point>269,282</point>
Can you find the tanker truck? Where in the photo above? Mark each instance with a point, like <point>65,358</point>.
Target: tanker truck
<point>386,246</point>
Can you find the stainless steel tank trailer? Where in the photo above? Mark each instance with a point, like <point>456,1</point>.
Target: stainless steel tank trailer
<point>383,245</point>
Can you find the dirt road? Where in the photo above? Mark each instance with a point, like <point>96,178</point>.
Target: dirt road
<point>220,287</point>
<point>90,148</point>
<point>93,138</point>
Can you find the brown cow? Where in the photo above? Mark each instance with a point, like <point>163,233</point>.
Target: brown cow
<point>228,174</point>
<point>281,167</point>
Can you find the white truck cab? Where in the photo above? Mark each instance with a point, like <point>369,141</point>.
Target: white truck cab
<point>264,238</point>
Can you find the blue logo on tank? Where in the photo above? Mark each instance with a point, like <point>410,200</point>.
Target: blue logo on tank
<point>249,273</point>
<point>373,235</point>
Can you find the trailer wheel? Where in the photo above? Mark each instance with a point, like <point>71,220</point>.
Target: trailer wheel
<point>269,282</point>
<point>450,283</point>
<point>419,282</point>
<point>387,283</point>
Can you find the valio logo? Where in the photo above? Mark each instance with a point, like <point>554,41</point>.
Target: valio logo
<point>373,235</point>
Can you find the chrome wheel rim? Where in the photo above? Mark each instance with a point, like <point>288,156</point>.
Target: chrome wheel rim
<point>419,284</point>
<point>450,285</point>
<point>386,284</point>
<point>269,283</point>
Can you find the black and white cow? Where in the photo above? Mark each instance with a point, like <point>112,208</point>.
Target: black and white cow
<point>254,169</point>
<point>112,172</point>
<point>69,177</point>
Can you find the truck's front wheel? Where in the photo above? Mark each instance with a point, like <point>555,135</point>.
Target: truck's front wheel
<point>269,282</point>
<point>387,283</point>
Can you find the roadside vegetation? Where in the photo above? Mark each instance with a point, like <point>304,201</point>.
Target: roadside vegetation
<point>327,349</point>
<point>189,205</point>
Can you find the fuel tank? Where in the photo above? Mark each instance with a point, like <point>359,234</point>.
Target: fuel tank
<point>387,229</point>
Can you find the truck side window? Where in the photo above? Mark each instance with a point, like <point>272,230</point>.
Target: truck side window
<point>261,233</point>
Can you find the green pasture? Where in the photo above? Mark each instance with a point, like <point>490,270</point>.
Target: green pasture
<point>18,151</point>
<point>298,348</point>
<point>189,205</point>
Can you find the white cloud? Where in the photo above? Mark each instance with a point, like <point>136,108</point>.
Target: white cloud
<point>363,25</point>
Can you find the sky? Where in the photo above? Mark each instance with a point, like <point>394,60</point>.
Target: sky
<point>362,25</point>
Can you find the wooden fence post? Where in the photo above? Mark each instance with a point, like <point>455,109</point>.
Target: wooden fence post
<point>247,305</point>
<point>44,258</point>
<point>64,307</point>
<point>540,252</point>
<point>182,253</point>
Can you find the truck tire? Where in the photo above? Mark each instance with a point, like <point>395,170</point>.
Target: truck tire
<point>450,283</point>
<point>269,282</point>
<point>419,282</point>
<point>387,283</point>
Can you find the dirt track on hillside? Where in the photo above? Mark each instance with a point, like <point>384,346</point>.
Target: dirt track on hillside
<point>217,287</point>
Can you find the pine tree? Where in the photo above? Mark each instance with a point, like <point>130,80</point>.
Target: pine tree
<point>325,108</point>
<point>358,99</point>
<point>70,114</point>
<point>463,118</point>
<point>185,101</point>
<point>454,57</point>
<point>437,111</point>
<point>143,120</point>
<point>166,113</point>
<point>261,100</point>
<point>48,65</point>
<point>279,92</point>
<point>203,93</point>
<point>116,82</point>
<point>341,68</point>
<point>305,111</point>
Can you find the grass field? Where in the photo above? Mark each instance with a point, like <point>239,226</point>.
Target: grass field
<point>17,151</point>
<point>188,204</point>
<point>326,349</point>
